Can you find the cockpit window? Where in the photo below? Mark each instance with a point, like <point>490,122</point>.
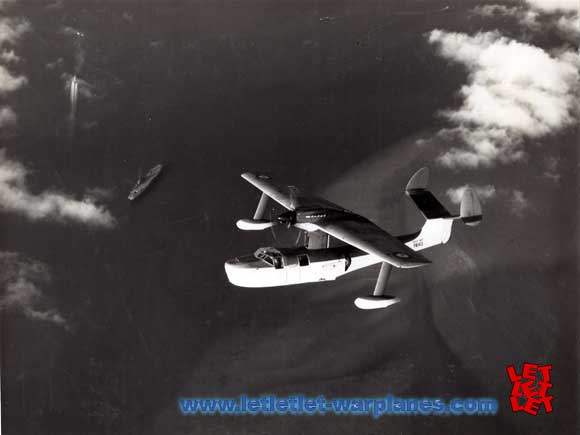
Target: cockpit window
<point>264,257</point>
<point>270,256</point>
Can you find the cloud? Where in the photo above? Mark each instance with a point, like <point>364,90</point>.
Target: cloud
<point>515,199</point>
<point>568,26</point>
<point>10,83</point>
<point>554,5</point>
<point>7,116</point>
<point>20,279</point>
<point>485,146</point>
<point>565,20</point>
<point>483,192</point>
<point>99,193</point>
<point>524,16</point>
<point>16,198</point>
<point>518,203</point>
<point>12,29</point>
<point>9,56</point>
<point>514,91</point>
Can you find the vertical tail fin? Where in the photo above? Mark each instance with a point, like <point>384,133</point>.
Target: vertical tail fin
<point>470,211</point>
<point>437,228</point>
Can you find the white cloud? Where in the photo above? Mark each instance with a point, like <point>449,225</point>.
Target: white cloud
<point>20,279</point>
<point>514,91</point>
<point>7,116</point>
<point>564,19</point>
<point>480,147</point>
<point>492,10</point>
<point>15,197</point>
<point>524,16</point>
<point>483,192</point>
<point>514,199</point>
<point>99,193</point>
<point>10,83</point>
<point>568,26</point>
<point>9,56</point>
<point>12,29</point>
<point>554,5</point>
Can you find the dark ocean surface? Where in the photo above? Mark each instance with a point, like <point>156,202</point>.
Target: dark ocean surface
<point>334,106</point>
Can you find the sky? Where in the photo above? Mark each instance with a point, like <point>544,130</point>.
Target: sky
<point>111,310</point>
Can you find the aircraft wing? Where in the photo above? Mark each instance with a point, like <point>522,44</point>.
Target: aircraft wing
<point>366,236</point>
<point>287,196</point>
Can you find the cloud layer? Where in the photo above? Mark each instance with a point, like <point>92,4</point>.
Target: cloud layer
<point>537,18</point>
<point>483,192</point>
<point>9,82</point>
<point>20,280</point>
<point>525,16</point>
<point>554,5</point>
<point>15,197</point>
<point>514,91</point>
<point>11,31</point>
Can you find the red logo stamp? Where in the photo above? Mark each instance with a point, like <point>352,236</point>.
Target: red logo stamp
<point>530,389</point>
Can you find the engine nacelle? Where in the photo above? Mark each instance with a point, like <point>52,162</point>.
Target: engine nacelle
<point>253,224</point>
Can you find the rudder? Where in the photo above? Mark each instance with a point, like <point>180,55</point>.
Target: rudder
<point>470,211</point>
<point>439,222</point>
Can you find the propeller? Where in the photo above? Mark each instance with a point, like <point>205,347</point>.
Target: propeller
<point>293,196</point>
<point>272,209</point>
<point>300,235</point>
<point>286,219</point>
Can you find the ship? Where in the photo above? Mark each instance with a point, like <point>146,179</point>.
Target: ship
<point>144,182</point>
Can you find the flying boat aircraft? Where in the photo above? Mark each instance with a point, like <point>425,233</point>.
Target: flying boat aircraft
<point>361,242</point>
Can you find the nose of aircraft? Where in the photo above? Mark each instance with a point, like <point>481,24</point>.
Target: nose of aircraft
<point>231,265</point>
<point>235,271</point>
<point>232,262</point>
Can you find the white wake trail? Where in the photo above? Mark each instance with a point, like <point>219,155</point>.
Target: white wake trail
<point>74,95</point>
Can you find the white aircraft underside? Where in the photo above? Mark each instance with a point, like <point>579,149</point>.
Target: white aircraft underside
<point>365,244</point>
<point>254,272</point>
<point>291,272</point>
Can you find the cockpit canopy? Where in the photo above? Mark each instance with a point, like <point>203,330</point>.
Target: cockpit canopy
<point>270,256</point>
